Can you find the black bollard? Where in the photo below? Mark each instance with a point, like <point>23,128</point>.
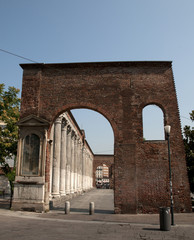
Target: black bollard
<point>165,224</point>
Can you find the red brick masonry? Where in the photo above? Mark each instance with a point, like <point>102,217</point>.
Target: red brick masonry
<point>119,91</point>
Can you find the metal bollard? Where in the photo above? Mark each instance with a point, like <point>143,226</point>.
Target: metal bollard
<point>91,208</point>
<point>165,223</point>
<point>67,207</point>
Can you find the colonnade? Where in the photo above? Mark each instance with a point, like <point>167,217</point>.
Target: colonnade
<point>71,158</point>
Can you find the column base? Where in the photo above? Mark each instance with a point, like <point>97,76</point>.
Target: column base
<point>55,195</point>
<point>62,193</point>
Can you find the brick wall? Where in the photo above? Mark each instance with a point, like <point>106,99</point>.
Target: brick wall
<point>119,91</point>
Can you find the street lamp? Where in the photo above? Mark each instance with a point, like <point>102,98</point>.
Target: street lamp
<point>167,130</point>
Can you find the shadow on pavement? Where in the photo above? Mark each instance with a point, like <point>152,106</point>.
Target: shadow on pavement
<point>84,210</point>
<point>104,211</point>
<point>151,229</point>
<point>79,210</point>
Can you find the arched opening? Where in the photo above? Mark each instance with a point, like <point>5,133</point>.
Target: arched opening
<point>79,138</point>
<point>99,132</point>
<point>153,123</point>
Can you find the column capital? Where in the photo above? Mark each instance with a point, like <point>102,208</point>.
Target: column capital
<point>58,120</point>
<point>64,122</point>
<point>73,135</point>
<point>77,139</point>
<point>68,129</point>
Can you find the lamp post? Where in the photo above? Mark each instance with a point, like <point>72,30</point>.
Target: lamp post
<point>167,130</point>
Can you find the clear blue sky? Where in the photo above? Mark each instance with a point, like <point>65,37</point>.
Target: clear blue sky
<point>52,31</point>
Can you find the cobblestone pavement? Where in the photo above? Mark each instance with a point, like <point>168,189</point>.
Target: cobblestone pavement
<point>80,225</point>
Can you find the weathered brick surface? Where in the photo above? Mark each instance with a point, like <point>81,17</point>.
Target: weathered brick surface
<point>119,91</point>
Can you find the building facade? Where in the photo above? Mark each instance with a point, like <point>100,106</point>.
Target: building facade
<point>103,169</point>
<point>102,176</point>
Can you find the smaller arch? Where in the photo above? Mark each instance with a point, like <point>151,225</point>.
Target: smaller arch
<point>153,122</point>
<point>156,104</point>
<point>31,131</point>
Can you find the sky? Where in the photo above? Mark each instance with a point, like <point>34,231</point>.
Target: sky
<point>64,31</point>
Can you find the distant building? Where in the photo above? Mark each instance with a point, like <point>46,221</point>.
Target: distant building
<point>102,175</point>
<point>99,175</point>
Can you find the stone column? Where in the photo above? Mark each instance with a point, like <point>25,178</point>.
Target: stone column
<point>63,155</point>
<point>88,169</point>
<point>79,169</point>
<point>76,164</point>
<point>86,178</point>
<point>84,169</point>
<point>51,160</point>
<point>72,160</point>
<point>83,166</point>
<point>56,157</point>
<point>68,154</point>
<point>91,171</point>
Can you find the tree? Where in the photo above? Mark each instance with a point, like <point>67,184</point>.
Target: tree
<point>9,116</point>
<point>189,149</point>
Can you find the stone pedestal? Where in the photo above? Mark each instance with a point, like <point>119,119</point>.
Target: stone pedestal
<point>29,194</point>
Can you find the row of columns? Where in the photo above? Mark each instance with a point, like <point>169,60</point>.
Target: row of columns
<point>71,159</point>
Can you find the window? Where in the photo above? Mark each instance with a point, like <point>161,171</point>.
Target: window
<point>31,152</point>
<point>153,123</point>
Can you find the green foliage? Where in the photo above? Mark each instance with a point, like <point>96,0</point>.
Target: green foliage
<point>9,115</point>
<point>189,149</point>
<point>9,173</point>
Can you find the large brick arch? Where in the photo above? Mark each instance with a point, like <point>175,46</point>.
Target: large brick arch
<point>118,90</point>
<point>89,106</point>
